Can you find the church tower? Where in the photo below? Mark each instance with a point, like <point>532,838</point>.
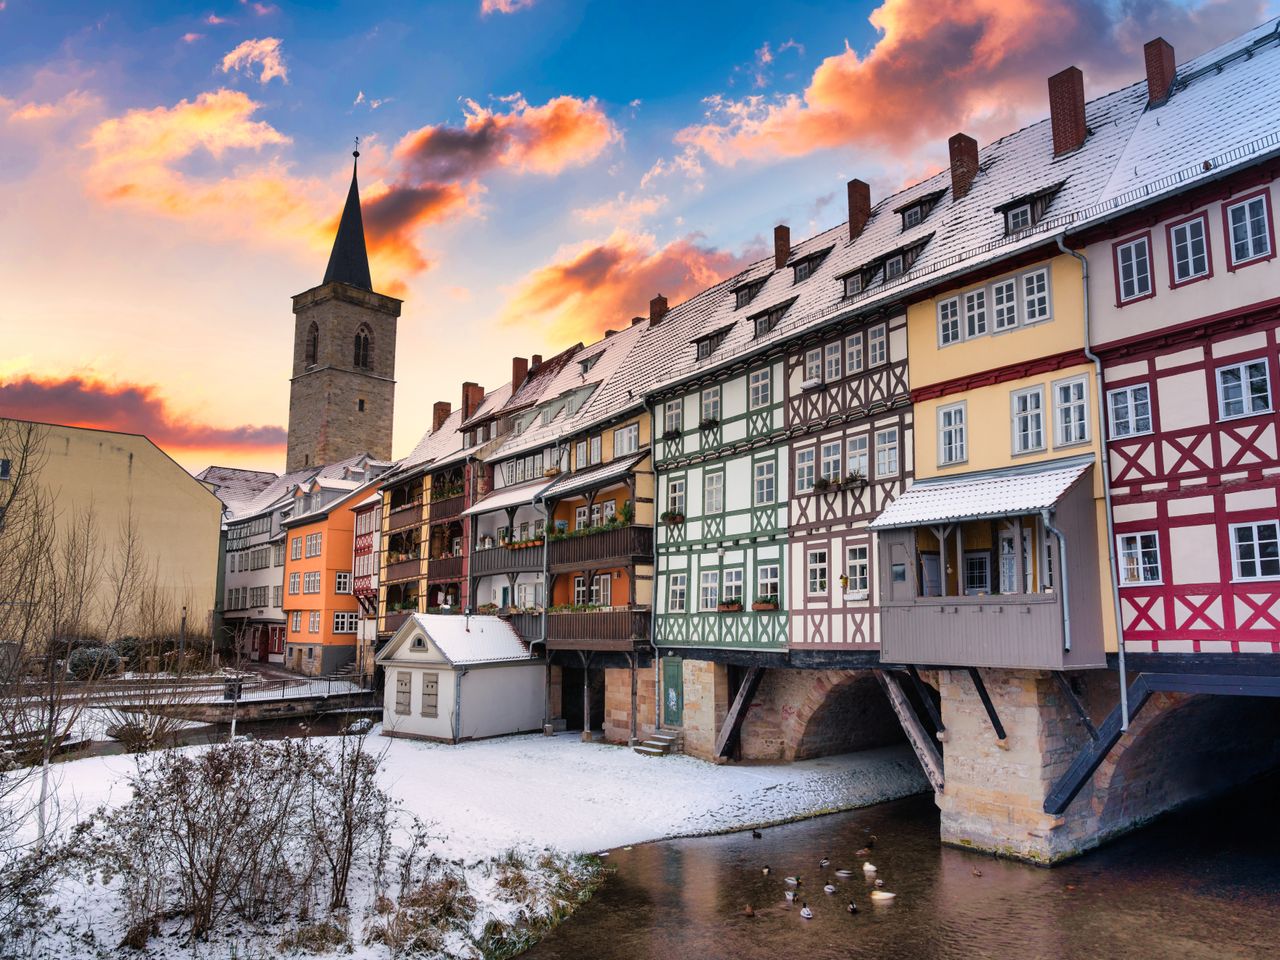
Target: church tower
<point>342,390</point>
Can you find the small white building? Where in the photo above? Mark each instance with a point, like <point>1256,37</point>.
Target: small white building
<point>451,677</point>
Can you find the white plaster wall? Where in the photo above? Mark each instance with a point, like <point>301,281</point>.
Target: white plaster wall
<point>499,700</point>
<point>414,724</point>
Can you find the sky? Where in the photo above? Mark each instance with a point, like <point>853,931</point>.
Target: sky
<point>532,172</point>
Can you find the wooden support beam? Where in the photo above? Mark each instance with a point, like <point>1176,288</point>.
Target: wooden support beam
<point>926,749</point>
<point>1073,701</point>
<point>922,692</point>
<point>990,707</point>
<point>732,726</point>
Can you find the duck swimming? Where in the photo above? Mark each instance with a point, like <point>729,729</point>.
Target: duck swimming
<point>789,894</point>
<point>879,883</point>
<point>794,881</point>
<point>829,888</point>
<point>806,912</point>
<point>852,908</point>
<point>765,869</point>
<point>756,835</point>
<point>864,852</point>
<point>882,895</point>
<point>868,868</point>
<point>844,872</point>
<point>824,863</point>
<point>747,911</point>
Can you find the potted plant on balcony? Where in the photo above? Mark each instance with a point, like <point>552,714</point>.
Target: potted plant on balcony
<point>768,601</point>
<point>729,606</point>
<point>822,484</point>
<point>628,512</point>
<point>671,433</point>
<point>488,608</point>
<point>706,423</point>
<point>672,517</point>
<point>854,480</point>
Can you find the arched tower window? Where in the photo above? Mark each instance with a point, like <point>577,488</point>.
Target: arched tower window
<point>313,345</point>
<point>362,357</point>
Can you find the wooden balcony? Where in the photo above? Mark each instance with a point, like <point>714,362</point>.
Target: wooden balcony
<point>619,547</point>
<point>391,622</point>
<point>598,630</point>
<point>445,568</point>
<point>404,570</point>
<point>498,560</point>
<point>527,625</point>
<point>447,509</point>
<point>410,516</point>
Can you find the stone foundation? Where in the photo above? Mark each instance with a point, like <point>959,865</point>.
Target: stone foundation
<point>706,703</point>
<point>617,704</point>
<point>1180,748</point>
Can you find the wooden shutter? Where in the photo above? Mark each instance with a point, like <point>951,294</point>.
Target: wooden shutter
<point>404,686</point>
<point>430,694</point>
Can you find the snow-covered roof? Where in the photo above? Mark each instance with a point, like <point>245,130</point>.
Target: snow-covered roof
<point>504,497</point>
<point>462,640</point>
<point>594,477</point>
<point>1007,492</point>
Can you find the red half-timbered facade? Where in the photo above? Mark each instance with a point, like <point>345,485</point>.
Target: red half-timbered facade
<point>848,408</point>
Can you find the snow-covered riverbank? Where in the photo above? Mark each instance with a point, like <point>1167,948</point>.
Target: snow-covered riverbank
<point>535,794</point>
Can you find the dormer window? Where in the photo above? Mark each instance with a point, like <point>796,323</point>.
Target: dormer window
<point>917,211</point>
<point>893,267</point>
<point>912,217</point>
<point>766,322</point>
<point>853,284</point>
<point>1019,218</point>
<point>710,343</point>
<point>804,269</point>
<point>588,363</point>
<point>744,295</point>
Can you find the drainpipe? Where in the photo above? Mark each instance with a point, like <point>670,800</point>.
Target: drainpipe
<point>540,503</point>
<point>1106,483</point>
<point>1046,518</point>
<point>653,600</point>
<point>457,703</point>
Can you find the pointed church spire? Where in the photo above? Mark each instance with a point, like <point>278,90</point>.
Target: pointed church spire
<point>349,261</point>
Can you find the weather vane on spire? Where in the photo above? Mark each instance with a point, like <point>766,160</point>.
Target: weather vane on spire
<point>356,151</point>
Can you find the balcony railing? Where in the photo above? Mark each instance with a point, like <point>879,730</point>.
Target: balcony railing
<point>506,560</point>
<point>391,621</point>
<point>444,568</point>
<point>410,516</point>
<point>527,625</point>
<point>404,569</point>
<point>447,508</point>
<point>597,630</point>
<point>619,546</point>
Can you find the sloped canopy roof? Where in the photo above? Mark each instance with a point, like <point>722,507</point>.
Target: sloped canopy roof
<point>595,477</point>
<point>461,640</point>
<point>505,497</point>
<point>1008,492</point>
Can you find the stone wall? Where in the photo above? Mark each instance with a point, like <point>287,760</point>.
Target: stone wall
<point>617,704</point>
<point>706,702</point>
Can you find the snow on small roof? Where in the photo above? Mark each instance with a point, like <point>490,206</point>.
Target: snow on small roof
<point>584,479</point>
<point>470,640</point>
<point>505,497</point>
<point>1007,492</point>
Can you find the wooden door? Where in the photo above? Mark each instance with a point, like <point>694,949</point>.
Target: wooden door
<point>672,691</point>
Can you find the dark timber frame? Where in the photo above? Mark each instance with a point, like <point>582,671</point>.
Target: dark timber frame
<point>990,707</point>
<point>732,726</point>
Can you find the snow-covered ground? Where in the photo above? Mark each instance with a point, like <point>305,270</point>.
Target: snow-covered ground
<point>530,793</point>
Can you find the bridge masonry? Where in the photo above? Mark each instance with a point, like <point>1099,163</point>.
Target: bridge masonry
<point>1180,748</point>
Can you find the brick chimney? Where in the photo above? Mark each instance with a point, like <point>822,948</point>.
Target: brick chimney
<point>657,310</point>
<point>1066,110</point>
<point>535,361</point>
<point>964,163</point>
<point>519,370</point>
<point>440,411</point>
<point>472,397</point>
<point>1160,70</point>
<point>859,207</point>
<point>781,246</point>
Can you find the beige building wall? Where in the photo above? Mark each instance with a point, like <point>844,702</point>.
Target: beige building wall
<point>176,517</point>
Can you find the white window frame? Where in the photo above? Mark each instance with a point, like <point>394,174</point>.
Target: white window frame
<point>769,574</point>
<point>708,590</point>
<point>1031,413</point>
<point>888,456</point>
<point>1130,546</point>
<point>975,313</point>
<point>833,361</point>
<point>1236,563</point>
<point>817,573</point>
<point>1037,303</point>
<point>894,267</point>
<point>981,587</point>
<point>595,449</point>
<point>313,622</point>
<point>858,568</point>
<point>806,469</point>
<point>295,548</point>
<point>1018,218</point>
<point>953,444</point>
<point>1060,423</point>
<point>1182,249</point>
<point>711,403</point>
<point>626,440</point>
<point>713,492</point>
<point>295,621</point>
<point>813,364</point>
<point>858,456</point>
<point>760,388</point>
<point>1250,238</point>
<point>580,594</point>
<point>1246,392</point>
<point>949,329</point>
<point>854,358</point>
<point>764,490</point>
<point>852,284</point>
<point>295,583</point>
<point>673,416</point>
<point>342,581</point>
<point>677,592</point>
<point>1132,420</point>
<point>877,345</point>
<point>1004,305</point>
<point>1139,268</point>
<point>676,494</point>
<point>831,459</point>
<point>732,585</point>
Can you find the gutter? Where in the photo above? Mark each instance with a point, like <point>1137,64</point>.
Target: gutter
<point>540,502</point>
<point>653,602</point>
<point>457,703</point>
<point>1100,402</point>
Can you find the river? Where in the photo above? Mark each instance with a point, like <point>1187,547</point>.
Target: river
<point>1201,883</point>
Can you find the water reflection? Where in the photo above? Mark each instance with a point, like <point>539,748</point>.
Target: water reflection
<point>1204,883</point>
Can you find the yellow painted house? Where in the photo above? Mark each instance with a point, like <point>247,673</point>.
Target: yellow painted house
<point>1004,532</point>
<point>126,483</point>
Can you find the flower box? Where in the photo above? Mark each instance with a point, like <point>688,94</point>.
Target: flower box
<point>765,605</point>
<point>733,606</point>
<point>671,434</point>
<point>813,383</point>
<point>708,423</point>
<point>672,518</point>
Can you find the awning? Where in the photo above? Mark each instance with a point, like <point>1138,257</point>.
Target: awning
<point>1008,492</point>
<point>595,477</point>
<point>505,497</point>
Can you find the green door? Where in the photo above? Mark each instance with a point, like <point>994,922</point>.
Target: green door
<point>672,691</point>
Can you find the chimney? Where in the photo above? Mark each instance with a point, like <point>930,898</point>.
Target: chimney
<point>1066,110</point>
<point>472,396</point>
<point>519,370</point>
<point>1160,70</point>
<point>535,362</point>
<point>781,246</point>
<point>440,411</point>
<point>964,163</point>
<point>859,207</point>
<point>635,320</point>
<point>657,310</point>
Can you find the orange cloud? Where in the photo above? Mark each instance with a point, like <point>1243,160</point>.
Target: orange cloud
<point>69,105</point>
<point>937,68</point>
<point>265,53</point>
<point>594,286</point>
<point>563,132</point>
<point>131,408</point>
<point>623,209</point>
<point>504,6</point>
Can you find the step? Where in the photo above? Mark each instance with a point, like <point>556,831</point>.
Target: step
<point>647,751</point>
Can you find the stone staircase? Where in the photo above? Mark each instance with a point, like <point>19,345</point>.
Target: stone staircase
<point>661,743</point>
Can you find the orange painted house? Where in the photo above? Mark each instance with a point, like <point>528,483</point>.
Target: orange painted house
<point>321,611</point>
